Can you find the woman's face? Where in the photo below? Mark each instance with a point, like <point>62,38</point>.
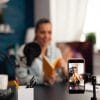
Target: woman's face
<point>74,70</point>
<point>44,34</point>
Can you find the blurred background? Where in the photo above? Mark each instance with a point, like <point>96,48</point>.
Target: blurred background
<point>72,20</point>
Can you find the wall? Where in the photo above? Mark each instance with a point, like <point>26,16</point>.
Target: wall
<point>19,15</point>
<point>41,9</point>
<point>96,64</point>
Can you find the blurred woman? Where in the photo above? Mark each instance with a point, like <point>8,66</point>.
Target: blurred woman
<point>43,36</point>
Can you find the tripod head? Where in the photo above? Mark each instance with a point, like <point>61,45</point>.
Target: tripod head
<point>91,78</point>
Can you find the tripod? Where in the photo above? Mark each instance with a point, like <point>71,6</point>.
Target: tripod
<point>93,79</point>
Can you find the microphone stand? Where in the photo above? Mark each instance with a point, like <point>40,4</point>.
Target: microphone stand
<point>94,88</point>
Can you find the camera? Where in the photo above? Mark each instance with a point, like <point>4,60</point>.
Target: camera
<point>90,78</point>
<point>93,80</point>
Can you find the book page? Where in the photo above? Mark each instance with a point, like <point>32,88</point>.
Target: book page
<point>48,68</point>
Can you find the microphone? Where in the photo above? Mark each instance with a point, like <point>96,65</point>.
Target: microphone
<point>31,51</point>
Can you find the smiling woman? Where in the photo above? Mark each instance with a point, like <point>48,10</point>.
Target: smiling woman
<point>43,36</point>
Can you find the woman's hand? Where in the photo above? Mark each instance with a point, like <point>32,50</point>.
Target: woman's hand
<point>63,65</point>
<point>49,80</point>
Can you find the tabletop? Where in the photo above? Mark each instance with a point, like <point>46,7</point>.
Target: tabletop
<point>57,92</point>
<point>60,92</point>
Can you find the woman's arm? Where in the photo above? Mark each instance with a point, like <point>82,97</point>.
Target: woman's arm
<point>63,66</point>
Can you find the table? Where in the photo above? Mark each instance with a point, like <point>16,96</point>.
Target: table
<point>57,92</point>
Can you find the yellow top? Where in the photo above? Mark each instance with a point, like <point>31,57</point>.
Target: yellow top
<point>13,83</point>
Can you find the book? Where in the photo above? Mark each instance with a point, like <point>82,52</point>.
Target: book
<point>48,68</point>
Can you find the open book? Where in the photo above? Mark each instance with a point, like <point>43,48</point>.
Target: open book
<point>48,68</point>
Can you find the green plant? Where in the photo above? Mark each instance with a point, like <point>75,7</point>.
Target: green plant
<point>91,37</point>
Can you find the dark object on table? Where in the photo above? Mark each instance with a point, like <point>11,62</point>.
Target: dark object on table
<point>93,80</point>
<point>31,51</point>
<point>87,77</point>
<point>32,83</point>
<point>90,78</point>
<point>6,94</point>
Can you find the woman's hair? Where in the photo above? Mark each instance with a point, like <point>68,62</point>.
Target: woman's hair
<point>41,21</point>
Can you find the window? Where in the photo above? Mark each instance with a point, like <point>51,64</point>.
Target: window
<point>92,20</point>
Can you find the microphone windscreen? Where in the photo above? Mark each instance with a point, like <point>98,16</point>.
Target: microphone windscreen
<point>31,51</point>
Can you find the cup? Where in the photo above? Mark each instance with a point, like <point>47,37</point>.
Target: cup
<point>3,81</point>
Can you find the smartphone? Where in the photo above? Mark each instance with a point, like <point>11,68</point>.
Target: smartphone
<point>76,71</point>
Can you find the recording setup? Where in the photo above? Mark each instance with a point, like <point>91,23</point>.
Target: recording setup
<point>80,66</point>
<point>77,77</point>
<point>76,73</point>
<point>80,70</point>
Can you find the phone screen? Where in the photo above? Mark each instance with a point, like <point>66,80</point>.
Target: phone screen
<point>76,75</point>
